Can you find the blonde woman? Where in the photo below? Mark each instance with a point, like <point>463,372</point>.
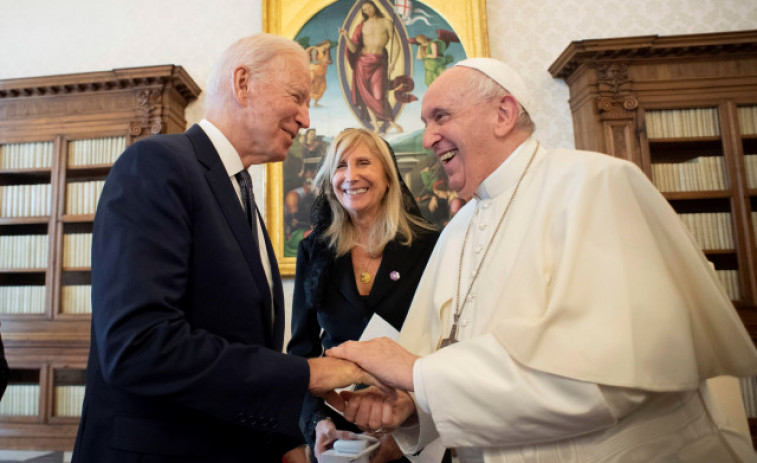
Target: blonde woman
<point>364,258</point>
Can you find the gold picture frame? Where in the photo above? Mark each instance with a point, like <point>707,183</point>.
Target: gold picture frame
<point>466,18</point>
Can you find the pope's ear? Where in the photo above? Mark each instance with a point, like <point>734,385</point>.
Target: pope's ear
<point>507,114</point>
<point>241,82</point>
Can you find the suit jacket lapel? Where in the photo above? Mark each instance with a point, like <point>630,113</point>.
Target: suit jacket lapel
<point>344,278</point>
<point>396,258</point>
<point>399,259</point>
<point>220,184</point>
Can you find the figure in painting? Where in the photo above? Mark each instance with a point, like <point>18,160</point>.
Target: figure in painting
<point>372,52</point>
<point>297,203</point>
<point>320,58</point>
<point>307,144</point>
<point>431,52</point>
<point>311,144</point>
<point>299,192</point>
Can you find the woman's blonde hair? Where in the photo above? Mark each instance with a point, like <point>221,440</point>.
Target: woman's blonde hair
<point>394,219</point>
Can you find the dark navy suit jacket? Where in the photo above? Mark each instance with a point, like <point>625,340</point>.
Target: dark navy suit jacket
<point>185,361</point>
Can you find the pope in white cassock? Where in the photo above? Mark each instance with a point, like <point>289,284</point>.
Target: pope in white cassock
<point>565,314</point>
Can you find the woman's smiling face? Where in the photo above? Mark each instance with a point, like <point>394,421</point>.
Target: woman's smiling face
<point>360,182</point>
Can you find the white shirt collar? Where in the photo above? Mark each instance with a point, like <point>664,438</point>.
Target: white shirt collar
<point>233,165</point>
<point>229,155</point>
<point>505,176</point>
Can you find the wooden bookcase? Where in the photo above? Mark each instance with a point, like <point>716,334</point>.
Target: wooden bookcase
<point>683,108</point>
<point>59,135</point>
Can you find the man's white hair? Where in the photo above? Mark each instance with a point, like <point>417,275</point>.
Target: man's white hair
<point>256,52</point>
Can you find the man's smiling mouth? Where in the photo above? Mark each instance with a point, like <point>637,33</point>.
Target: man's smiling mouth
<point>448,155</point>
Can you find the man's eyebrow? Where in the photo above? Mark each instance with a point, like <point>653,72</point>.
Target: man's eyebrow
<point>433,113</point>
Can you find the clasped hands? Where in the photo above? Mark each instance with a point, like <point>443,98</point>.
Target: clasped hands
<point>381,363</point>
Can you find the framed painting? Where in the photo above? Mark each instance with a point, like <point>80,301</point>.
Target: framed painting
<point>408,43</point>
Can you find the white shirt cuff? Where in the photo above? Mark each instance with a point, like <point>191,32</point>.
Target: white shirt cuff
<point>420,392</point>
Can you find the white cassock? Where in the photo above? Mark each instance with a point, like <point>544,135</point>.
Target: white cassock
<point>590,333</point>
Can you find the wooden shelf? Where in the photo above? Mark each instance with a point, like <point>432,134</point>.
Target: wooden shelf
<point>77,218</point>
<point>32,172</point>
<point>24,220</point>
<point>99,167</point>
<point>23,270</point>
<point>715,252</point>
<point>696,195</point>
<point>72,114</point>
<point>685,141</point>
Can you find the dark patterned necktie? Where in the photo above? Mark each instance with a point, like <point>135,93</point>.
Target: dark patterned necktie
<point>248,199</point>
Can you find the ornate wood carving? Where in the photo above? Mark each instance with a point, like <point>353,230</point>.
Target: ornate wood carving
<point>117,79</point>
<point>148,107</point>
<point>143,95</point>
<point>723,45</point>
<point>615,98</point>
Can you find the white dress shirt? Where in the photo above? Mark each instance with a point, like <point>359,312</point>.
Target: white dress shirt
<point>233,165</point>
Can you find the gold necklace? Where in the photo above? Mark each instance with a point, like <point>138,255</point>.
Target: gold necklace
<point>365,276</point>
<point>452,338</point>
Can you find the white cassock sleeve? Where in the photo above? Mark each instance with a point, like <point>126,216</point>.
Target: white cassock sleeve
<point>473,394</point>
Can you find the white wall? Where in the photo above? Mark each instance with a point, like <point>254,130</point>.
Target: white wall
<point>44,37</point>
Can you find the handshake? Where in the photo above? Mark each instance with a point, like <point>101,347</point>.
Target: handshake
<point>381,363</point>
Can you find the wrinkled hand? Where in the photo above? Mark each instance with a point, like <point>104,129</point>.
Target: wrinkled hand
<point>389,362</point>
<point>325,435</point>
<point>374,411</point>
<point>327,374</point>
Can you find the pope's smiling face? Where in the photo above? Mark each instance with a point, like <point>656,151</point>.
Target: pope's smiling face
<point>459,129</point>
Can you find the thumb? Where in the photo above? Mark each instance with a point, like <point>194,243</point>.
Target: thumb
<point>335,400</point>
<point>336,352</point>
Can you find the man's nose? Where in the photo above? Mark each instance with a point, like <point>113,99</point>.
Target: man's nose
<point>429,137</point>
<point>303,116</point>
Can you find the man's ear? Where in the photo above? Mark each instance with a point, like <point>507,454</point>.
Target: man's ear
<point>241,82</point>
<point>507,115</point>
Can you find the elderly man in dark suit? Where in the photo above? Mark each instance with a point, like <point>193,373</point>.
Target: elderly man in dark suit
<point>188,310</point>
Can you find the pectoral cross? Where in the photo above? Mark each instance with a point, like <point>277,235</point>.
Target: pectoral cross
<point>452,338</point>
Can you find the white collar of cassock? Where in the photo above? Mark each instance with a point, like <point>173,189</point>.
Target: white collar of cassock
<point>507,174</point>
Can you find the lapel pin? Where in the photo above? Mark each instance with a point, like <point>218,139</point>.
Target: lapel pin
<point>395,275</point>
